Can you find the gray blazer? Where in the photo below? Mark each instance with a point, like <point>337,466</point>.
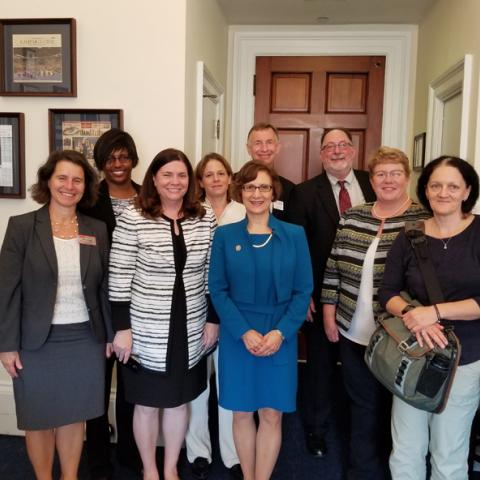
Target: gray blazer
<point>28,280</point>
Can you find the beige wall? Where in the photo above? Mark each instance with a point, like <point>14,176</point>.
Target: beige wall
<point>207,41</point>
<point>130,55</point>
<point>446,34</point>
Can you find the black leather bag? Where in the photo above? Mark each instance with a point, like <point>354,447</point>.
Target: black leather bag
<point>420,376</point>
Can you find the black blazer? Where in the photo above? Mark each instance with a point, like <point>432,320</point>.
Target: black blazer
<point>103,208</point>
<point>287,187</point>
<point>312,205</point>
<point>28,280</point>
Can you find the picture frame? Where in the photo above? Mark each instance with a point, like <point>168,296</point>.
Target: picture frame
<point>12,155</point>
<point>418,159</point>
<point>79,129</point>
<point>38,57</point>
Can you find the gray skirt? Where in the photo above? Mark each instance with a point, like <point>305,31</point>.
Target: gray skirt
<point>63,381</point>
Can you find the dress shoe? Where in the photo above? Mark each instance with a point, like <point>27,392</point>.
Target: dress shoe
<point>236,472</point>
<point>200,468</point>
<point>316,445</point>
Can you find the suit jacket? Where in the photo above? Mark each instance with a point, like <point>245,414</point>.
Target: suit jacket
<point>287,187</point>
<point>29,274</point>
<point>312,205</point>
<point>232,276</point>
<point>103,208</point>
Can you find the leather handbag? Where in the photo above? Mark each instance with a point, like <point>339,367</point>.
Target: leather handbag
<point>420,376</point>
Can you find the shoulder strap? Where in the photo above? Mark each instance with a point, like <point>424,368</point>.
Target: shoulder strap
<point>415,232</point>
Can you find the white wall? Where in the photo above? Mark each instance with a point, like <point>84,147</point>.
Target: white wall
<point>207,41</point>
<point>131,56</point>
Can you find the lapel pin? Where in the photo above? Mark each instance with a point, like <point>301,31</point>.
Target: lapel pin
<point>238,248</point>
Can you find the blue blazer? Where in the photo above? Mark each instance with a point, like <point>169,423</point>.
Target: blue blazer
<point>28,280</point>
<point>232,276</point>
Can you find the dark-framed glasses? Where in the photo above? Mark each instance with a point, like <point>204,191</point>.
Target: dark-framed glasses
<point>331,146</point>
<point>263,188</point>
<point>120,158</point>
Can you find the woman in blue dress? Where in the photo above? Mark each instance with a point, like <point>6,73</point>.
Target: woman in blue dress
<point>260,283</point>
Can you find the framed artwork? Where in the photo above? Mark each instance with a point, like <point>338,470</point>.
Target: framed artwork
<point>12,155</point>
<point>38,57</point>
<point>419,151</point>
<point>79,129</point>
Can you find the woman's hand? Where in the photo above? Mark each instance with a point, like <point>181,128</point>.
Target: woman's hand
<point>122,345</point>
<point>331,329</point>
<point>432,335</point>
<point>252,340</point>
<point>108,350</point>
<point>420,318</point>
<point>271,343</point>
<point>311,310</point>
<point>210,335</point>
<point>11,362</point>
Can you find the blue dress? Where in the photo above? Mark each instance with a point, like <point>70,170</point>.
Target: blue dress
<point>239,272</point>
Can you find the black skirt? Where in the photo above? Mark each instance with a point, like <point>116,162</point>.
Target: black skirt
<point>62,382</point>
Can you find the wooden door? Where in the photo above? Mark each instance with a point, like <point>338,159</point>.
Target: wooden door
<point>302,96</point>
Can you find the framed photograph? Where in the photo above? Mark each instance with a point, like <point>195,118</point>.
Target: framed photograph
<point>79,129</point>
<point>12,155</point>
<point>38,57</point>
<point>419,151</point>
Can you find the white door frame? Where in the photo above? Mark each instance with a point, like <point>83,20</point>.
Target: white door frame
<point>397,42</point>
<point>207,85</point>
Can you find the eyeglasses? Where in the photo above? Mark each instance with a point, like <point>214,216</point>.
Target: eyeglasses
<point>263,188</point>
<point>394,174</point>
<point>330,147</point>
<point>121,158</point>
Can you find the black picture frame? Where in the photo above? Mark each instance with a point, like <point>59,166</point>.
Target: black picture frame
<point>418,158</point>
<point>79,129</point>
<point>38,57</point>
<point>12,155</point>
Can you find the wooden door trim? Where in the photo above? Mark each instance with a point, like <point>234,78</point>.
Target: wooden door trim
<point>396,42</point>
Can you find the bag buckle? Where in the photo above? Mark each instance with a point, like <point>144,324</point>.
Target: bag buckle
<point>405,345</point>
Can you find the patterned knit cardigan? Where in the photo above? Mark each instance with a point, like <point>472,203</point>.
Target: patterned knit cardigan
<point>142,278</point>
<point>357,229</point>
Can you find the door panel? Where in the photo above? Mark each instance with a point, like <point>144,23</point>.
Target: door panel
<point>302,96</point>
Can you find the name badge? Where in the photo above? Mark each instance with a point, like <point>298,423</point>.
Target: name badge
<point>87,240</point>
<point>278,205</point>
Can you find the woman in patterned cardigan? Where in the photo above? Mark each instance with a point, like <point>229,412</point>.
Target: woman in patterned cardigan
<point>353,275</point>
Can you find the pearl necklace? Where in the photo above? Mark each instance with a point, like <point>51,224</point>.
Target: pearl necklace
<point>261,245</point>
<point>393,214</point>
<point>65,231</point>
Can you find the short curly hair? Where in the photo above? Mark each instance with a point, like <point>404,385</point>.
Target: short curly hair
<point>388,155</point>
<point>40,190</point>
<point>249,172</point>
<point>111,141</point>
<point>468,173</point>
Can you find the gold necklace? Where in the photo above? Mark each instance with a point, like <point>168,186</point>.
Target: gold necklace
<point>65,230</point>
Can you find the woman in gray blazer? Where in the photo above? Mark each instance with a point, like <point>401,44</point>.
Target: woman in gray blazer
<point>54,313</point>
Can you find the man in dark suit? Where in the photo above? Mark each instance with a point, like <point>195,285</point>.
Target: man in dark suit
<point>316,205</point>
<point>263,145</point>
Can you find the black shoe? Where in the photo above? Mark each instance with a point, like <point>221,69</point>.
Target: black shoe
<point>316,445</point>
<point>200,468</point>
<point>236,472</point>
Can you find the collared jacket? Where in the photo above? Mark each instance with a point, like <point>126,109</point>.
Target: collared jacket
<point>29,274</point>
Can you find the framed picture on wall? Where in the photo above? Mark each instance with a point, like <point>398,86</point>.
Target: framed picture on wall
<point>38,57</point>
<point>12,155</point>
<point>419,151</point>
<point>79,129</point>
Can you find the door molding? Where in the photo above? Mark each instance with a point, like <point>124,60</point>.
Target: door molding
<point>396,43</point>
<point>206,84</point>
<point>457,79</point>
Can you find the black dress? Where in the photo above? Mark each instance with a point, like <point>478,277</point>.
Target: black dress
<point>178,385</point>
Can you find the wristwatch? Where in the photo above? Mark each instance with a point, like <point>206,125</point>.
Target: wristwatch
<point>407,308</point>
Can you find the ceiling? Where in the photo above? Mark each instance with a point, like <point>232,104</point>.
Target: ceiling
<point>325,12</point>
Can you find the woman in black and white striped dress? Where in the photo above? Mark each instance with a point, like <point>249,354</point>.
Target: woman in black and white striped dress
<point>158,271</point>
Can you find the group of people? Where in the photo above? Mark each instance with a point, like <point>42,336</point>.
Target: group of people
<point>204,270</point>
